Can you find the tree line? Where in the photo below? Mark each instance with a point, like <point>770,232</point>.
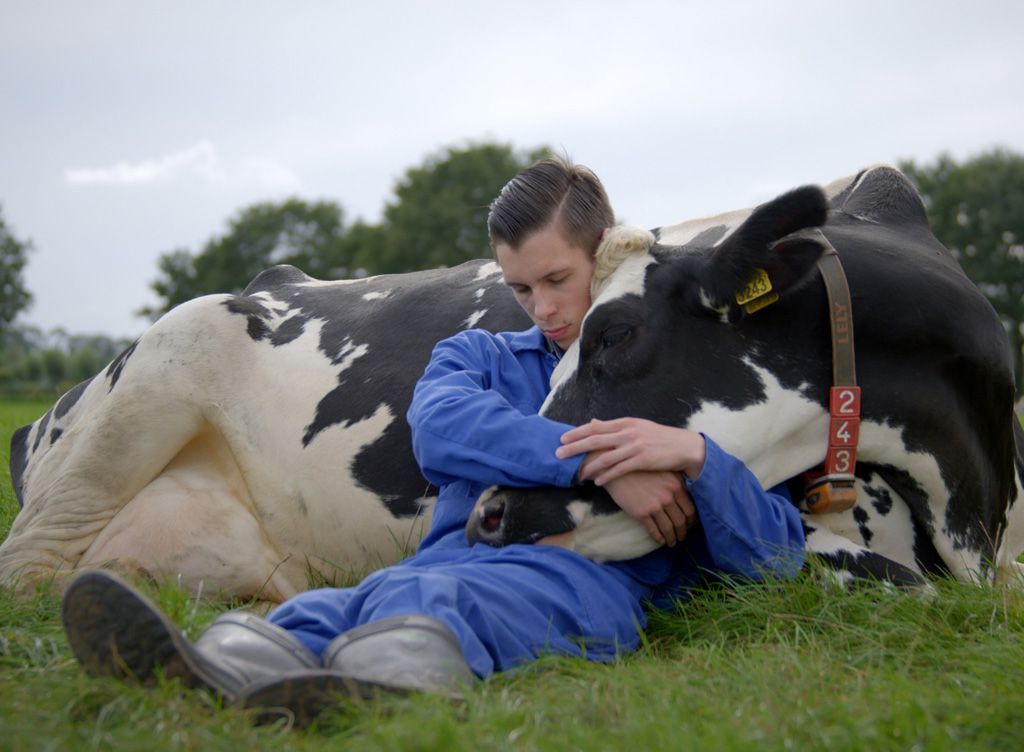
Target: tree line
<point>437,217</point>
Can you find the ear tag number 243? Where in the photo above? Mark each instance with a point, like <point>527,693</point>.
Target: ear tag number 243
<point>757,293</point>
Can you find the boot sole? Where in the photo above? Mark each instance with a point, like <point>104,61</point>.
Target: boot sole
<point>300,697</point>
<point>116,631</point>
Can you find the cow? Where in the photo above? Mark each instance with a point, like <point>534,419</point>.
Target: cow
<point>245,442</point>
<point>941,453</point>
<point>252,444</point>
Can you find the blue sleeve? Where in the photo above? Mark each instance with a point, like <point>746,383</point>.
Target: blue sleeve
<point>749,531</point>
<point>464,426</point>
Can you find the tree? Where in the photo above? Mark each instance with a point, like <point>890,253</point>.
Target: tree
<point>307,235</point>
<point>438,218</point>
<point>439,215</point>
<point>14,297</point>
<point>976,209</point>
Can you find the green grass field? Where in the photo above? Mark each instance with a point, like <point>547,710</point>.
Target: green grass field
<point>783,666</point>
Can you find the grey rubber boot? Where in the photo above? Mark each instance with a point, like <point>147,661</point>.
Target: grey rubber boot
<point>116,631</point>
<point>390,655</point>
<point>404,652</point>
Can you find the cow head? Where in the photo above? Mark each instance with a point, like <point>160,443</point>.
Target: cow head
<point>667,340</point>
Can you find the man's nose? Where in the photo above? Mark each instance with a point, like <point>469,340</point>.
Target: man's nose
<point>543,306</point>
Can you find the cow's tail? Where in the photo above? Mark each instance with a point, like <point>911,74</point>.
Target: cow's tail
<point>1011,544</point>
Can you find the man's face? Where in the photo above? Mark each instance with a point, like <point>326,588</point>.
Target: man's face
<point>551,280</point>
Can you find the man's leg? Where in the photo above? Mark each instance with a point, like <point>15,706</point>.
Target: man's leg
<point>504,605</point>
<point>416,624</point>
<point>116,631</point>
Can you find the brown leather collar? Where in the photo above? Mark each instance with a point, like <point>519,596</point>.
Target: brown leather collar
<point>831,488</point>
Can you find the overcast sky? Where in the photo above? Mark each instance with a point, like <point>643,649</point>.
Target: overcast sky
<point>128,129</point>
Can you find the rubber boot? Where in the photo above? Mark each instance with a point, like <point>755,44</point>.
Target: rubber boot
<point>116,631</point>
<point>397,654</point>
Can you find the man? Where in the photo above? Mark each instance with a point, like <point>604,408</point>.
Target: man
<point>453,610</point>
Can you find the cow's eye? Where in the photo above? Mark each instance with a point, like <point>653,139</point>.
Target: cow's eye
<point>616,335</point>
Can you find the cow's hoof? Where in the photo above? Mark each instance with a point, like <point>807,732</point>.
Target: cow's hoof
<point>301,696</point>
<point>116,631</point>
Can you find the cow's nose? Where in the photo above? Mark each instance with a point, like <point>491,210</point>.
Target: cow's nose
<point>491,514</point>
<point>486,521</point>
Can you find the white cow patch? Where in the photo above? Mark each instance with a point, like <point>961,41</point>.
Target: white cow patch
<point>602,537</point>
<point>721,310</point>
<point>757,433</point>
<point>683,233</point>
<point>377,295</point>
<point>1008,568</point>
<point>489,269</point>
<point>336,282</point>
<point>891,533</point>
<point>350,352</point>
<point>787,433</point>
<point>473,318</point>
<point>201,478</point>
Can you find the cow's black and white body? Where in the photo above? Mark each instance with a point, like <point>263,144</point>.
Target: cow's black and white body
<point>246,440</point>
<point>940,463</point>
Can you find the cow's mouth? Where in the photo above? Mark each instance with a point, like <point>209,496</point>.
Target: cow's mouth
<point>503,516</point>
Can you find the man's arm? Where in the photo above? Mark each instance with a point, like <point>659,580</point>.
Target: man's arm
<point>748,529</point>
<point>462,428</point>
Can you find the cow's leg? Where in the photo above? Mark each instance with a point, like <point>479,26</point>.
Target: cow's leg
<point>850,563</point>
<point>1011,543</point>
<point>125,430</point>
<point>195,521</point>
<point>99,463</point>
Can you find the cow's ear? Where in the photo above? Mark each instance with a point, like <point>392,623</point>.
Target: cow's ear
<point>777,241</point>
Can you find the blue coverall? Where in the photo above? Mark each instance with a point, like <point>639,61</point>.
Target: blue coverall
<point>474,424</point>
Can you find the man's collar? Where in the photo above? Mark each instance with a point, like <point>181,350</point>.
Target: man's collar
<point>532,339</point>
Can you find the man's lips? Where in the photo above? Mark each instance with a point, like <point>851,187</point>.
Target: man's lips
<point>556,333</point>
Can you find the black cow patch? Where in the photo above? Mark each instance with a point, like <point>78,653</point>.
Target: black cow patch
<point>396,319</point>
<point>117,364</point>
<point>860,516</point>
<point>41,430</point>
<point>70,398</point>
<point>19,460</point>
<point>881,500</point>
<point>866,566</point>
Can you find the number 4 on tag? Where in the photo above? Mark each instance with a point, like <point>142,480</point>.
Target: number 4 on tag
<point>843,432</point>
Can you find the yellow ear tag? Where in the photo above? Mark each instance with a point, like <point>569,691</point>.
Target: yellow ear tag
<point>762,302</point>
<point>757,293</point>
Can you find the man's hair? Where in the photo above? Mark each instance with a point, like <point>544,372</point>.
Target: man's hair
<point>552,189</point>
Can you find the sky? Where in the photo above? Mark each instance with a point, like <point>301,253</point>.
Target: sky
<point>130,129</point>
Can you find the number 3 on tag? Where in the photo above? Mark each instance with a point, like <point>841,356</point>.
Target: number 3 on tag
<point>840,460</point>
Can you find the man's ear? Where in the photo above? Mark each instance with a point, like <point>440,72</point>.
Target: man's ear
<point>778,242</point>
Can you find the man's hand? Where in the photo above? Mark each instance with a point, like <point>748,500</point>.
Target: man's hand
<point>625,445</point>
<point>638,462</point>
<point>658,500</point>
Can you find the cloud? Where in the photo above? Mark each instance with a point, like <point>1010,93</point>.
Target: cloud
<point>200,160</point>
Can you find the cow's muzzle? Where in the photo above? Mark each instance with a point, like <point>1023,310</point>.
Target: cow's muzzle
<point>502,516</point>
<point>487,518</point>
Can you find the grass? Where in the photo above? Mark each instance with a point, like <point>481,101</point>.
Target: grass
<point>752,667</point>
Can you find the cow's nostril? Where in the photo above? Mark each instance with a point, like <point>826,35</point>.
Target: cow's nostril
<point>491,514</point>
